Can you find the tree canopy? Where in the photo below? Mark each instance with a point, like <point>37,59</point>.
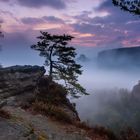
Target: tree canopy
<point>60,58</point>
<point>1,34</point>
<point>133,6</point>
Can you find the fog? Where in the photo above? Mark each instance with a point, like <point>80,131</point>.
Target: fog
<point>103,83</point>
<point>104,86</point>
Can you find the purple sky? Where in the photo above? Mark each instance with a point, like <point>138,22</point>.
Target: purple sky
<point>93,23</point>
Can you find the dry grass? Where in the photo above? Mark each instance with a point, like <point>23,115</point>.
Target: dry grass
<point>51,110</point>
<point>100,131</point>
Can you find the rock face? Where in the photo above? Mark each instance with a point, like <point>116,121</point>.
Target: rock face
<point>21,85</point>
<point>18,79</point>
<point>120,58</point>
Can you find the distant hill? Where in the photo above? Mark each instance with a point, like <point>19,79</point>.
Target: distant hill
<point>83,58</point>
<point>120,58</point>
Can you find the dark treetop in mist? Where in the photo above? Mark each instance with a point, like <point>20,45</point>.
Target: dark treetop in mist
<point>132,6</point>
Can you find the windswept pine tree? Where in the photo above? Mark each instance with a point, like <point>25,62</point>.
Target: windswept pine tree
<point>60,58</point>
<point>132,6</point>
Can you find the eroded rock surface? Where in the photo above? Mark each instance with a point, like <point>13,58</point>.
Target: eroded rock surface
<point>18,79</point>
<point>21,84</point>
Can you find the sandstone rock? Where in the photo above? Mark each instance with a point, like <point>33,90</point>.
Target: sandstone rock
<point>18,79</point>
<point>15,131</point>
<point>21,85</point>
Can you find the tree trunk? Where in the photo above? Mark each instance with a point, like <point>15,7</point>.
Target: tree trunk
<point>50,73</point>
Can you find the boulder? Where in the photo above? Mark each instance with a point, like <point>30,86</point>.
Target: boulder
<point>19,79</point>
<point>22,85</point>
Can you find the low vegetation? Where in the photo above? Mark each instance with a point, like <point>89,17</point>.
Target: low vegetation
<point>51,92</point>
<point>51,110</point>
<point>97,131</point>
<point>4,114</point>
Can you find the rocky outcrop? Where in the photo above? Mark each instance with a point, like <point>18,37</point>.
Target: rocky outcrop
<point>18,79</point>
<point>27,126</point>
<point>21,85</point>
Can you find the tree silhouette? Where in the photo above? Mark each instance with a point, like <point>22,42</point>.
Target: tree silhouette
<point>133,6</point>
<point>59,57</point>
<point>1,34</point>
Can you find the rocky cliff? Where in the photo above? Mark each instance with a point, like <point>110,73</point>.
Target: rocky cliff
<point>18,79</point>
<point>120,58</point>
<point>20,87</point>
<point>34,108</point>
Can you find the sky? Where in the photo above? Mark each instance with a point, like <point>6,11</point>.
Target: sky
<point>93,23</point>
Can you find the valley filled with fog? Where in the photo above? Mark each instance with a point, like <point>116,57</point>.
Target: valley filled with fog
<point>106,88</point>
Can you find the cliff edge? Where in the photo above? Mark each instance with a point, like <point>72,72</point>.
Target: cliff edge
<point>34,108</point>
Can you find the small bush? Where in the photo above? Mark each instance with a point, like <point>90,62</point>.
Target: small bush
<point>129,134</point>
<point>51,92</point>
<point>4,114</point>
<point>51,110</point>
<point>104,131</point>
<point>98,130</point>
<point>82,125</point>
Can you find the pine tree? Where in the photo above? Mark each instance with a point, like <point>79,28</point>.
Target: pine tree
<point>59,57</point>
<point>1,34</point>
<point>132,6</point>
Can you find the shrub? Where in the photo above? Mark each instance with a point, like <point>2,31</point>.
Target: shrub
<point>51,92</point>
<point>4,114</point>
<point>129,134</point>
<point>104,131</point>
<point>82,125</point>
<point>51,110</point>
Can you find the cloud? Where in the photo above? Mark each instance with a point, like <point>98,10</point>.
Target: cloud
<point>4,0</point>
<point>1,21</point>
<point>53,19</point>
<point>42,20</point>
<point>117,26</point>
<point>31,20</point>
<point>56,4</point>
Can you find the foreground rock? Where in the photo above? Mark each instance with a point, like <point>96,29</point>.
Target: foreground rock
<point>20,86</point>
<point>25,126</point>
<point>19,79</point>
<point>34,108</point>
